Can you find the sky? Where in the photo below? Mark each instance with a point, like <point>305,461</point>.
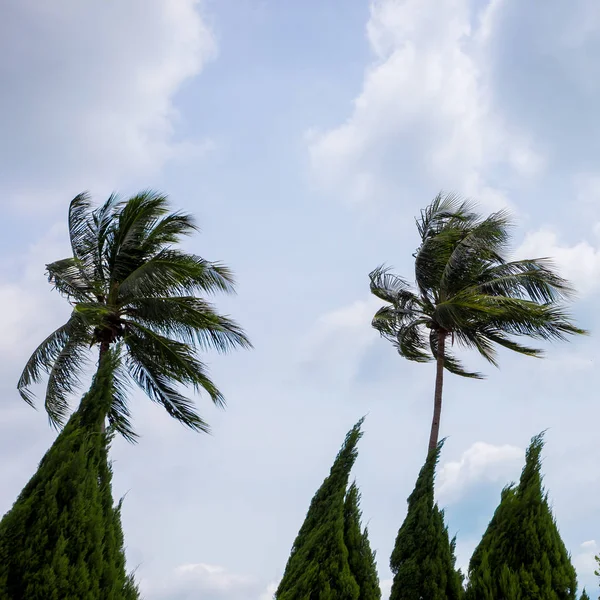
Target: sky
<point>305,137</point>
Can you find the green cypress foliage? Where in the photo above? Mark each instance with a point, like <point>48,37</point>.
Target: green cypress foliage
<point>360,556</point>
<point>318,567</point>
<point>584,596</point>
<point>62,539</point>
<point>521,554</point>
<point>423,560</point>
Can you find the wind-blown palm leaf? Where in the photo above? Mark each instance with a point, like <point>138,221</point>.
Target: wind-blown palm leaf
<point>80,231</point>
<point>65,376</point>
<point>131,287</point>
<point>45,355</point>
<point>119,415</point>
<point>190,319</point>
<point>170,272</point>
<point>451,363</point>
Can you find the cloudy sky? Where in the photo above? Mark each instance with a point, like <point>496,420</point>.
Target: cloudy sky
<point>305,136</point>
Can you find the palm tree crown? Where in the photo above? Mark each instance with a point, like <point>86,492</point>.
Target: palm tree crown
<point>130,287</point>
<point>468,291</point>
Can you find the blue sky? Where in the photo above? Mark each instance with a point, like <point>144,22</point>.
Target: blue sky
<point>305,137</point>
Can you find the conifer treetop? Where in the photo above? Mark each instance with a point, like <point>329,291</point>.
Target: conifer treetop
<point>522,548</point>
<point>423,560</point>
<point>318,565</point>
<point>360,556</point>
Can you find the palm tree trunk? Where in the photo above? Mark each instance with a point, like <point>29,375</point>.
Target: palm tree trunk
<point>104,346</point>
<point>437,398</point>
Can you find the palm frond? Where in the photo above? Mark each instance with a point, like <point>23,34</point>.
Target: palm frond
<point>135,218</point>
<point>389,287</point>
<point>533,279</point>
<point>188,319</point>
<point>174,273</point>
<point>104,226</point>
<point>69,278</point>
<point>475,339</point>
<point>443,210</point>
<point>469,252</point>
<point>119,415</point>
<point>80,231</point>
<point>167,231</point>
<point>499,338</point>
<point>157,387</point>
<point>525,317</point>
<point>156,362</point>
<point>64,376</point>
<point>385,322</point>
<point>451,363</point>
<point>411,343</point>
<point>45,355</point>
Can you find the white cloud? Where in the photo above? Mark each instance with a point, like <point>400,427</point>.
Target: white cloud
<point>107,73</point>
<point>269,593</point>
<point>333,348</point>
<point>201,580</point>
<point>386,588</point>
<point>425,103</point>
<point>584,560</point>
<point>480,462</point>
<point>579,263</point>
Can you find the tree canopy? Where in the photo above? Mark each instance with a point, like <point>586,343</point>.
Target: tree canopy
<point>423,560</point>
<point>467,287</point>
<point>318,567</point>
<point>522,549</point>
<point>129,285</point>
<point>62,539</point>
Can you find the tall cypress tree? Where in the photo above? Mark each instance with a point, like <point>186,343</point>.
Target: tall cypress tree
<point>318,566</point>
<point>521,551</point>
<point>423,560</point>
<point>360,556</point>
<point>62,539</point>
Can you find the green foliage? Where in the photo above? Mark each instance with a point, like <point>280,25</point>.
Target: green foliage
<point>423,560</point>
<point>62,539</point>
<point>584,596</point>
<point>466,288</point>
<point>318,566</point>
<point>597,571</point>
<point>521,554</point>
<point>130,286</point>
<point>360,556</point>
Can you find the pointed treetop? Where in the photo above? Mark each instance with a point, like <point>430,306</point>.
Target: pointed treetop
<point>360,556</point>
<point>318,564</point>
<point>531,475</point>
<point>423,560</point>
<point>522,547</point>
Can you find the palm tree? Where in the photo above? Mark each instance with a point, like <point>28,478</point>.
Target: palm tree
<point>131,289</point>
<point>469,293</point>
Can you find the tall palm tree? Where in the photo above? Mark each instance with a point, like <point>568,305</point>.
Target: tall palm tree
<point>469,293</point>
<point>132,289</point>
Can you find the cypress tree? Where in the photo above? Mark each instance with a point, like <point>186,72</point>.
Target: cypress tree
<point>521,554</point>
<point>360,556</point>
<point>318,567</point>
<point>423,560</point>
<point>62,539</point>
<point>584,596</point>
